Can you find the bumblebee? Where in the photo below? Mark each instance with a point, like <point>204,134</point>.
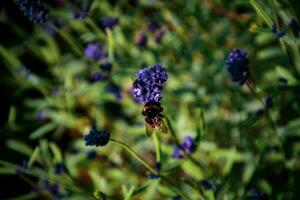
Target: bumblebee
<point>153,117</point>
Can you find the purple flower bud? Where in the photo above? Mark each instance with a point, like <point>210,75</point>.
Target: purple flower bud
<point>96,138</point>
<point>295,27</point>
<point>95,51</point>
<point>109,22</point>
<point>238,68</point>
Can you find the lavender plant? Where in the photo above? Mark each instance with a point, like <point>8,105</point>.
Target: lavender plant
<point>85,106</point>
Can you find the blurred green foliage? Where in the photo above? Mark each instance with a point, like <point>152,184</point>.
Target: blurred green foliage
<point>50,101</point>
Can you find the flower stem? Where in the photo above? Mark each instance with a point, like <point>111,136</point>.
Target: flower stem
<point>273,125</point>
<point>135,155</point>
<point>264,105</point>
<point>157,145</point>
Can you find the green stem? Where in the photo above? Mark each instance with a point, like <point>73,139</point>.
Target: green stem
<point>69,40</point>
<point>135,155</point>
<point>267,113</point>
<point>95,28</point>
<point>110,44</point>
<point>141,160</point>
<point>283,46</point>
<point>264,105</point>
<point>157,145</point>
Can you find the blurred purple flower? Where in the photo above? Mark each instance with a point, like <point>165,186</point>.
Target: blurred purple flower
<point>83,11</point>
<point>92,154</point>
<point>53,189</point>
<point>95,51</point>
<point>109,22</point>
<point>33,10</point>
<point>153,26</point>
<point>177,198</point>
<point>98,76</point>
<point>188,145</point>
<point>159,35</point>
<point>153,176</point>
<point>114,89</point>
<point>41,116</point>
<point>141,39</point>
<point>295,27</point>
<point>277,33</point>
<point>59,168</point>
<point>206,184</point>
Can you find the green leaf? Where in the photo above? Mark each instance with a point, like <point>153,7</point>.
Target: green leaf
<point>286,74</point>
<point>19,147</point>
<point>33,156</point>
<point>28,196</point>
<point>7,170</point>
<point>56,152</point>
<point>129,193</point>
<point>260,11</point>
<point>191,169</point>
<point>42,131</point>
<point>250,120</point>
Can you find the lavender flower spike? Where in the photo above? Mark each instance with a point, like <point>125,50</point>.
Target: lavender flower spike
<point>238,68</point>
<point>149,83</point>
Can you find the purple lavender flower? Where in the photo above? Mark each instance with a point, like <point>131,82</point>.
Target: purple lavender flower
<point>98,76</point>
<point>95,51</point>
<point>177,198</point>
<point>141,39</point>
<point>153,176</point>
<point>53,189</point>
<point>159,35</point>
<point>109,22</point>
<point>149,83</point>
<point>205,184</point>
<point>59,169</point>
<point>238,68</point>
<point>277,33</point>
<point>188,145</point>
<point>153,26</point>
<point>96,138</point>
<point>49,29</point>
<point>83,11</point>
<point>115,90</point>
<point>34,10</point>
<point>41,116</point>
<point>295,27</point>
<point>92,154</point>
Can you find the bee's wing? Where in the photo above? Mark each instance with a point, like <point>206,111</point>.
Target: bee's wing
<point>162,127</point>
<point>149,129</point>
